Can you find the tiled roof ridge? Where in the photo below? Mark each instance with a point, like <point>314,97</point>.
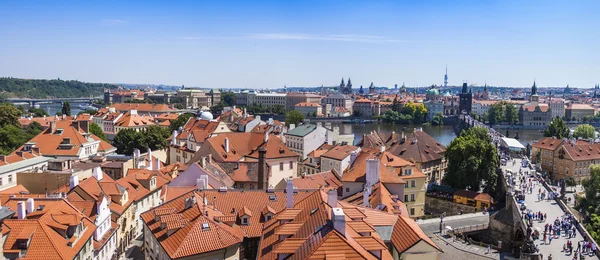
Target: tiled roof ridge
<point>343,238</point>
<point>54,245</point>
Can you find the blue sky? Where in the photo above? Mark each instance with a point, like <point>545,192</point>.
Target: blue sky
<point>269,44</point>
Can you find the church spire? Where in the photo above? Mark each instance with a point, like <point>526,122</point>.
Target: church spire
<point>534,88</point>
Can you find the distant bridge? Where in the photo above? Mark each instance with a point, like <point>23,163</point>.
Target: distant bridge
<point>33,101</point>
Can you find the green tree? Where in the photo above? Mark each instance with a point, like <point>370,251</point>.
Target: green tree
<point>66,108</point>
<point>9,115</point>
<point>511,114</point>
<point>420,114</point>
<point>584,131</point>
<point>472,161</point>
<point>590,203</point>
<point>217,109</point>
<point>557,128</point>
<point>293,117</point>
<point>228,98</point>
<point>390,116</point>
<point>495,114</point>
<point>37,112</point>
<point>97,131</point>
<point>570,182</point>
<point>180,121</point>
<point>593,227</point>
<point>88,111</point>
<point>126,141</point>
<point>396,104</point>
<point>438,119</point>
<point>278,109</point>
<point>33,129</point>
<point>155,137</point>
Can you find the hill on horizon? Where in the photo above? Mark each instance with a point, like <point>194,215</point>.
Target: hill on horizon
<point>53,88</point>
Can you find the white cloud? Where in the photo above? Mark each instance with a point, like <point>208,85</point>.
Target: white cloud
<point>313,37</point>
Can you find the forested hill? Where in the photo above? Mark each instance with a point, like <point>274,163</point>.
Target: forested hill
<point>41,88</point>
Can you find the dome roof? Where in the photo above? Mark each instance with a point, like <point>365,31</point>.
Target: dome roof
<point>447,94</point>
<point>206,116</point>
<point>433,92</point>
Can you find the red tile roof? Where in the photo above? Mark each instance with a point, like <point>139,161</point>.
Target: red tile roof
<point>418,147</point>
<point>45,230</point>
<point>358,169</point>
<point>50,143</point>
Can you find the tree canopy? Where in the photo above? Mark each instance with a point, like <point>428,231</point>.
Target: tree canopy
<point>438,119</point>
<point>472,161</point>
<point>496,113</point>
<point>41,88</point>
<point>180,121</point>
<point>557,128</point>
<point>128,140</point>
<point>37,112</point>
<point>293,117</point>
<point>228,98</point>
<point>9,115</point>
<point>97,131</point>
<point>66,108</point>
<point>410,113</point>
<point>584,131</point>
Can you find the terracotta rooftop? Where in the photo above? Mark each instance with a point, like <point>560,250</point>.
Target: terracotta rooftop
<point>143,108</point>
<point>358,169</point>
<point>44,228</point>
<point>243,145</point>
<point>66,140</point>
<point>134,120</point>
<point>417,146</point>
<point>340,152</point>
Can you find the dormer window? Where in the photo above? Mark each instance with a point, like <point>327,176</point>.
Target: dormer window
<point>244,220</point>
<point>268,216</point>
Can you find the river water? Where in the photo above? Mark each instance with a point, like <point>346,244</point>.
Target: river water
<point>52,108</point>
<point>443,134</point>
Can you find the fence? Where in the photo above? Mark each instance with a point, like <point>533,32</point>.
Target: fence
<point>470,228</point>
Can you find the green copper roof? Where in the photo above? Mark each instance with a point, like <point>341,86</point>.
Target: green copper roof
<point>302,130</point>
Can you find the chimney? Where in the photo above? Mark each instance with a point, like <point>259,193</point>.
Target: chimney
<point>52,127</point>
<point>289,194</point>
<point>231,115</point>
<point>292,126</point>
<point>97,173</point>
<point>266,136</point>
<point>174,138</point>
<point>226,145</point>
<point>73,181</point>
<point>85,126</point>
<point>111,109</point>
<point>262,165</point>
<point>353,156</point>
<point>202,161</point>
<point>332,198</point>
<point>149,159</point>
<point>21,210</point>
<point>339,220</point>
<point>366,195</point>
<point>201,184</point>
<point>382,148</point>
<point>245,113</point>
<point>30,205</point>
<point>372,175</point>
<point>157,164</point>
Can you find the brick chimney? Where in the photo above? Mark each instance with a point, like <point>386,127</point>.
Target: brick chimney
<point>262,165</point>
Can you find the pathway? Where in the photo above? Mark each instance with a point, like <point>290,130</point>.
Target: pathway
<point>553,211</point>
